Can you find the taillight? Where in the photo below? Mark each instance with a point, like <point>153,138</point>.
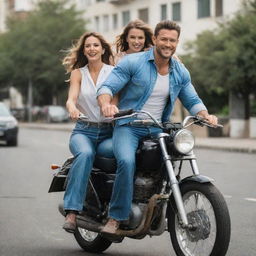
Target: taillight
<point>54,166</point>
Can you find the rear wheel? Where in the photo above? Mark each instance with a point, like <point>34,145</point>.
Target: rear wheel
<point>91,241</point>
<point>207,211</point>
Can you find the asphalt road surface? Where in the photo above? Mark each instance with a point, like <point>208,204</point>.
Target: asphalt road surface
<point>30,224</point>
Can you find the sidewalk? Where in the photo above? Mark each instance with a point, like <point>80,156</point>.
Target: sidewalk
<point>220,143</point>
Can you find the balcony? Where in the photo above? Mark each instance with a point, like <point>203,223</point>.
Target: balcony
<point>120,2</point>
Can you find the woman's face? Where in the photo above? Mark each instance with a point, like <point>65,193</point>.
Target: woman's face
<point>136,40</point>
<point>93,49</point>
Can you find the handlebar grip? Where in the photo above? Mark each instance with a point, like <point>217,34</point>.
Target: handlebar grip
<point>203,121</point>
<point>124,113</point>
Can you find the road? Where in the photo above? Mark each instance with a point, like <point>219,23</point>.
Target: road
<point>30,224</point>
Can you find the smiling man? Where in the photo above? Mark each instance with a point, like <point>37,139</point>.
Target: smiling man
<point>150,81</point>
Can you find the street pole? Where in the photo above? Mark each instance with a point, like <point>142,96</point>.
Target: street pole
<point>30,100</point>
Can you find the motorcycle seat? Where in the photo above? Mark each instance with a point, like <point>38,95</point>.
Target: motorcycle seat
<point>105,164</point>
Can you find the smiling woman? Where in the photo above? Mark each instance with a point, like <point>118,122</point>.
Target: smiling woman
<point>136,37</point>
<point>89,63</point>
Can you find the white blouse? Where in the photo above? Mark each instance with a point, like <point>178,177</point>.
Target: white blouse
<point>87,100</point>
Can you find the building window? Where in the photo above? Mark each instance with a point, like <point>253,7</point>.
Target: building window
<point>115,21</point>
<point>105,23</point>
<point>218,8</point>
<point>163,11</point>
<point>203,8</point>
<point>126,17</point>
<point>143,14</point>
<point>97,23</point>
<point>176,11</point>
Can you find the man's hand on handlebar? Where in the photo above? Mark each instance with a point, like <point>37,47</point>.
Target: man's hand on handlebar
<point>109,110</point>
<point>210,119</point>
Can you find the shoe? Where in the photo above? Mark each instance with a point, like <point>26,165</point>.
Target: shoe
<point>111,227</point>
<point>70,223</point>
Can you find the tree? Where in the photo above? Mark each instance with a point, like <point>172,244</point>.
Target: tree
<point>31,50</point>
<point>224,60</point>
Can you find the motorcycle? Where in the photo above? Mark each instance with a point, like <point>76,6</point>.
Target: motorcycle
<point>190,208</point>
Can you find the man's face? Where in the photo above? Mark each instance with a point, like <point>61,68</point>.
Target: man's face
<point>166,43</point>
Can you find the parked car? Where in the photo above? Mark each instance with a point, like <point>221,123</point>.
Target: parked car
<point>54,113</point>
<point>8,126</point>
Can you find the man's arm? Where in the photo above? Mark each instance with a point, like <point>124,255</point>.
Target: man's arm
<point>108,109</point>
<point>117,79</point>
<point>192,102</point>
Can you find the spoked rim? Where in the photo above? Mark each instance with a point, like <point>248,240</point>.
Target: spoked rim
<point>87,235</point>
<point>198,242</point>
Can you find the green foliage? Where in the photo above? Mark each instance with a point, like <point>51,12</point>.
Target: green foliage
<point>31,49</point>
<point>224,60</point>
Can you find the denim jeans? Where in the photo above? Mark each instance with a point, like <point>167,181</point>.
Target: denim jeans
<point>125,143</point>
<point>84,142</point>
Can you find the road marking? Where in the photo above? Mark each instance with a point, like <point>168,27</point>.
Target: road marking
<point>250,199</point>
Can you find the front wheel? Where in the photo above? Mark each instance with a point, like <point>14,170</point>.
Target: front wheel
<point>91,241</point>
<point>207,211</point>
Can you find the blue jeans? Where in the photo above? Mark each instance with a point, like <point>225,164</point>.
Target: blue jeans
<point>84,142</point>
<point>125,143</point>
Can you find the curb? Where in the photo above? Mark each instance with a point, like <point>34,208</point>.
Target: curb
<point>230,149</point>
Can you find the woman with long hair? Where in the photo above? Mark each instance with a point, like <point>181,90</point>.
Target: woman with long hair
<point>136,37</point>
<point>88,61</point>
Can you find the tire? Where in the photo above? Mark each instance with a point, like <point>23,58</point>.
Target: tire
<point>206,207</point>
<point>12,142</point>
<point>91,241</point>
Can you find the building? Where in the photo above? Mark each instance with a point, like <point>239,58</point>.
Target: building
<point>110,16</point>
<point>14,7</point>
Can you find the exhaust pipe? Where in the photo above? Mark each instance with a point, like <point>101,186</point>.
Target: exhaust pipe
<point>90,224</point>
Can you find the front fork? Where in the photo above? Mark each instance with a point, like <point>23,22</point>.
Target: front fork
<point>174,182</point>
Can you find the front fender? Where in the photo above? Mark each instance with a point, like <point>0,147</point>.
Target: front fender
<point>197,178</point>
<point>172,209</point>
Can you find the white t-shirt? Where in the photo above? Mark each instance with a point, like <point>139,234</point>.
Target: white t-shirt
<point>87,100</point>
<point>157,100</point>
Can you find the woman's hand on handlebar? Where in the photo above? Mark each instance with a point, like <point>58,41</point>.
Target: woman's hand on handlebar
<point>74,113</point>
<point>109,110</point>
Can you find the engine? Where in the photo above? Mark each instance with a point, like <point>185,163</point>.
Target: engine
<point>146,184</point>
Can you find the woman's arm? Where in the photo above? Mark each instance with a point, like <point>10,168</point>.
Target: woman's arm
<point>74,89</point>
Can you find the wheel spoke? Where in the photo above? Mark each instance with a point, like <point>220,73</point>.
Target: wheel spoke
<point>87,235</point>
<point>199,210</point>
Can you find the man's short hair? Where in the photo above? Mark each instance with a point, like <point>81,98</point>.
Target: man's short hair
<point>167,24</point>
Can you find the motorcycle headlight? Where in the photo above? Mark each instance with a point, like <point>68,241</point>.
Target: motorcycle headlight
<point>184,141</point>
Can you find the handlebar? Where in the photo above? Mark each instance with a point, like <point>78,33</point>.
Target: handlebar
<point>122,113</point>
<point>131,113</point>
<point>198,120</point>
<point>82,117</point>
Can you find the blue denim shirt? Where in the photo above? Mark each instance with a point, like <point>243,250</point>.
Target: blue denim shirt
<point>135,77</point>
